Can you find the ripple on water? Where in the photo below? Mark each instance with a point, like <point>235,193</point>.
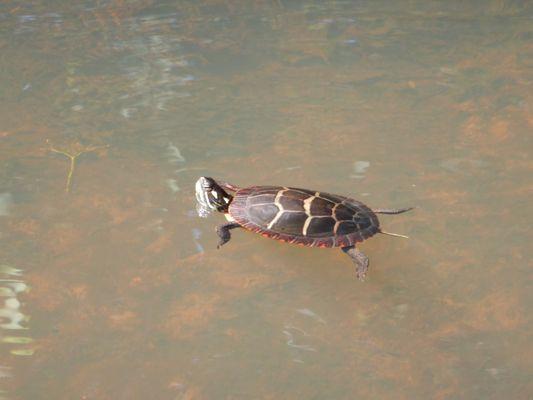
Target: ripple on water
<point>12,320</point>
<point>6,200</point>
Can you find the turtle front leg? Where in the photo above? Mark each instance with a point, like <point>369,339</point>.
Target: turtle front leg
<point>223,232</point>
<point>360,260</point>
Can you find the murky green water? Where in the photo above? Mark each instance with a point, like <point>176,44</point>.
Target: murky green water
<point>112,288</point>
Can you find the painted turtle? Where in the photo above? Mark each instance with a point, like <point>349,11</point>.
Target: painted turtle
<point>300,216</point>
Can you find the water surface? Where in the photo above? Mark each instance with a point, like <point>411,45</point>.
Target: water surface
<point>111,286</point>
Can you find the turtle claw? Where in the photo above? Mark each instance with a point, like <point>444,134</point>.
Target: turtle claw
<point>361,272</point>
<point>222,241</point>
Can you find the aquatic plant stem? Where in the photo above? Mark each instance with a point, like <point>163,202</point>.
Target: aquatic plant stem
<point>72,158</point>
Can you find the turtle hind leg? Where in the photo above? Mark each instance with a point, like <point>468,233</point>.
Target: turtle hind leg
<point>223,232</point>
<point>360,260</point>
<point>392,210</point>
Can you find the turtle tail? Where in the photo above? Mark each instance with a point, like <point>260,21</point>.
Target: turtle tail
<point>392,210</point>
<point>393,234</point>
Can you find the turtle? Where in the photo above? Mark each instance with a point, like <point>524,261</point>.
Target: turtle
<point>300,216</point>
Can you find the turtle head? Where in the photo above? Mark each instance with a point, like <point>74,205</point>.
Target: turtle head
<point>211,196</point>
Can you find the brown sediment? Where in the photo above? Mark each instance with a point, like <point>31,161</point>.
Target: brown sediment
<point>240,280</point>
<point>124,320</point>
<point>499,311</point>
<point>162,242</point>
<point>190,315</point>
<point>79,292</point>
<point>193,393</point>
<point>27,226</point>
<point>63,237</point>
<point>46,294</point>
<point>500,130</point>
<point>117,209</point>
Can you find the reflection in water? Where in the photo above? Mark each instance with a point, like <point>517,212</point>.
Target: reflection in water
<point>197,234</point>
<point>174,157</point>
<point>290,331</point>
<point>12,319</point>
<point>463,165</point>
<point>156,65</point>
<point>310,313</point>
<point>174,154</point>
<point>359,169</point>
<point>6,199</point>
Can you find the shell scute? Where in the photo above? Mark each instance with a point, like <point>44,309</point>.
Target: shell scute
<point>320,226</point>
<point>321,207</point>
<point>290,223</point>
<point>329,197</point>
<point>343,213</point>
<point>299,193</point>
<point>291,203</point>
<point>346,227</point>
<point>362,223</point>
<point>263,214</point>
<point>262,198</point>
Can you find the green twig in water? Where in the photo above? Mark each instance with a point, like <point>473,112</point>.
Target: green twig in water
<point>73,157</point>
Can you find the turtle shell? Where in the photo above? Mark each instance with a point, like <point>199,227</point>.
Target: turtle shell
<point>302,216</point>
